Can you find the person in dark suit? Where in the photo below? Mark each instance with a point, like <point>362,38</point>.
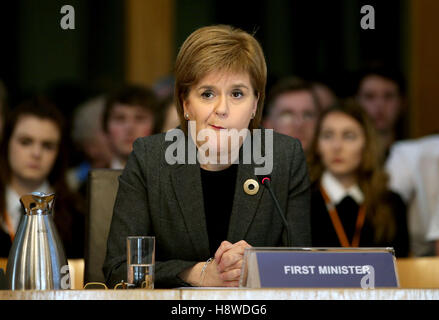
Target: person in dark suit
<point>200,209</point>
<point>351,205</point>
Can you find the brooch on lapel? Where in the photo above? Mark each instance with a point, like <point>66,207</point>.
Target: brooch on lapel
<point>251,187</point>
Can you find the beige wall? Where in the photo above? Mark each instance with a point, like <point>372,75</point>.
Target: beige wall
<point>424,71</point>
<point>149,40</point>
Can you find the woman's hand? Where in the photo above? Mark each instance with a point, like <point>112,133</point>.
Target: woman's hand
<point>229,258</point>
<point>223,271</point>
<point>210,277</point>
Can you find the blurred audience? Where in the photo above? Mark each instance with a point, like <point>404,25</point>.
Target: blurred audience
<point>129,113</point>
<point>292,109</point>
<point>33,158</point>
<point>164,87</point>
<point>325,95</point>
<point>414,173</point>
<point>380,92</point>
<point>168,115</point>
<point>350,203</point>
<point>89,137</point>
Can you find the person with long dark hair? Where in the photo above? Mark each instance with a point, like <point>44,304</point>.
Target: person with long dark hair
<point>33,158</point>
<point>351,205</point>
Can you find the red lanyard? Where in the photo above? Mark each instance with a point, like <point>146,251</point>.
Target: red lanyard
<point>338,226</point>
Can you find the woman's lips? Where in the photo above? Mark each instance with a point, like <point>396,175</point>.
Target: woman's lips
<point>33,166</point>
<point>216,127</point>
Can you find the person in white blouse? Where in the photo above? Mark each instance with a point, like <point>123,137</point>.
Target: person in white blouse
<point>33,158</point>
<point>413,166</point>
<point>351,205</point>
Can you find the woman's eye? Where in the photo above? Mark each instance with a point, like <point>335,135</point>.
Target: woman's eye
<point>118,118</point>
<point>326,135</point>
<point>25,141</point>
<point>49,146</point>
<point>237,94</point>
<point>207,94</point>
<point>350,135</point>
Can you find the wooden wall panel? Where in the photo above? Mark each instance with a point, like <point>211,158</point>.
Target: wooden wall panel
<point>149,40</point>
<point>424,75</point>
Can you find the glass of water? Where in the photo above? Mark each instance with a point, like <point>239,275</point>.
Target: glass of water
<point>140,262</point>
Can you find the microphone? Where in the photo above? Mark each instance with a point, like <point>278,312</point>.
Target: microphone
<point>266,181</point>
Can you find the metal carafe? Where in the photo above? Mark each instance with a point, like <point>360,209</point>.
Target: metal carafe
<point>36,260</point>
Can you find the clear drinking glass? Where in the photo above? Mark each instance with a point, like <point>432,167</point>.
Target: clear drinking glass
<point>140,262</point>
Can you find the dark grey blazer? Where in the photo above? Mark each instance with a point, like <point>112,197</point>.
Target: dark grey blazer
<point>166,201</point>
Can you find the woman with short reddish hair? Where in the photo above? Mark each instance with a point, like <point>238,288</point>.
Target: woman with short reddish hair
<point>204,214</point>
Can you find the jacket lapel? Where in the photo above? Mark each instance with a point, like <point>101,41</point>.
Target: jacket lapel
<point>186,180</point>
<point>244,206</point>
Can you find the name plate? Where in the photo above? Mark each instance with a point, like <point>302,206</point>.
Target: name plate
<point>319,268</point>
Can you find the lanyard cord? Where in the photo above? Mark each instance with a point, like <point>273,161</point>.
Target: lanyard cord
<point>338,226</point>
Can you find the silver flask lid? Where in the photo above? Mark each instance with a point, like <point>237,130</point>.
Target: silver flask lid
<point>37,203</point>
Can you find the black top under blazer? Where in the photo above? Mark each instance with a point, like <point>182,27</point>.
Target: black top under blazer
<point>324,234</point>
<point>166,201</point>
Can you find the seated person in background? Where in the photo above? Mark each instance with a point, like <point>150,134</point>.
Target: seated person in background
<point>203,210</point>
<point>380,92</point>
<point>89,137</point>
<point>293,109</point>
<point>129,113</point>
<point>350,203</point>
<point>168,115</point>
<point>325,95</point>
<point>164,87</point>
<point>33,158</point>
<point>413,167</point>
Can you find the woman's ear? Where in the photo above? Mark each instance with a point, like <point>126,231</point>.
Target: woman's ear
<point>255,107</point>
<point>184,105</point>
